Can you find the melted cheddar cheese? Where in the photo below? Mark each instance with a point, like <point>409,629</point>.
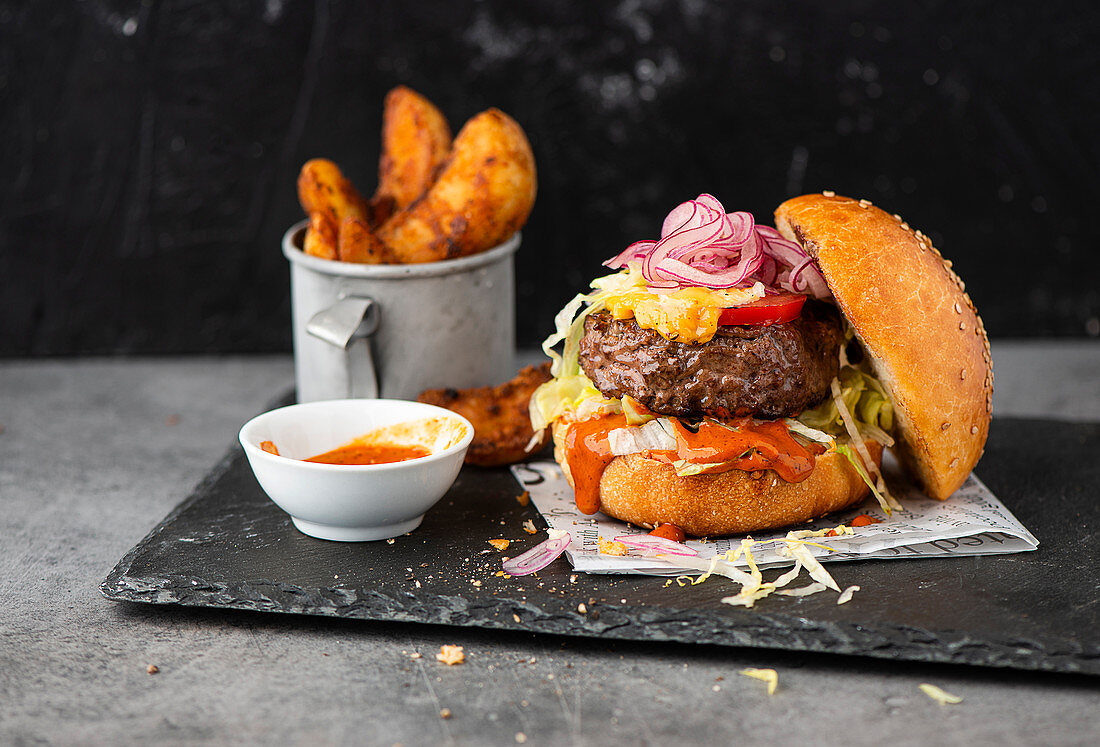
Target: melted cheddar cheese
<point>687,315</point>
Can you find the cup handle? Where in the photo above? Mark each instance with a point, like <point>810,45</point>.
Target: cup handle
<point>348,325</point>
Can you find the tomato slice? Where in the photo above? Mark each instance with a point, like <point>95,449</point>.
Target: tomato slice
<point>773,309</point>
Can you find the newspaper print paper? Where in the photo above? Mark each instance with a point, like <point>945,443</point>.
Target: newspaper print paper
<point>971,522</point>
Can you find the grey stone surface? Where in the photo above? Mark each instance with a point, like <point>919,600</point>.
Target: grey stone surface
<point>95,452</point>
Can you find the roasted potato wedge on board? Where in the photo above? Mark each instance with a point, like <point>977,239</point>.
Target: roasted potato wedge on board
<point>501,419</point>
<point>482,196</point>
<point>356,243</point>
<point>416,140</point>
<point>320,238</point>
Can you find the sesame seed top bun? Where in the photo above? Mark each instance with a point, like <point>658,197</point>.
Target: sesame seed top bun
<point>915,321</point>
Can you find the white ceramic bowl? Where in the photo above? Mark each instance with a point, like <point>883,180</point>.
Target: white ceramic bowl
<point>350,503</point>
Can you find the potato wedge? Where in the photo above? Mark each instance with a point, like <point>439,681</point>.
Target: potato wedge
<point>482,196</point>
<point>357,243</point>
<point>379,210</point>
<point>416,140</point>
<point>322,188</point>
<point>320,238</point>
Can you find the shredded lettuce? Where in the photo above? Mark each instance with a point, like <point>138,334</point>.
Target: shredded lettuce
<point>656,435</point>
<point>866,400</point>
<point>635,413</point>
<point>813,434</point>
<point>570,390</point>
<point>770,676</point>
<point>848,453</point>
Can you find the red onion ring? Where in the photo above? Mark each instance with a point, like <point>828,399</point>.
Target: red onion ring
<point>636,251</point>
<point>703,246</point>
<point>655,545</point>
<point>538,557</point>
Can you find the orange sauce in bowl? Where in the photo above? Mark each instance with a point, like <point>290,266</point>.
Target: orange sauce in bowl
<point>360,452</point>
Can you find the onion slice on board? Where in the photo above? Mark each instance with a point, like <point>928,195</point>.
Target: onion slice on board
<point>538,557</point>
<point>648,543</point>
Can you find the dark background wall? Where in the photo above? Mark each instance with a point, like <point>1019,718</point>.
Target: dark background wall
<point>148,150</point>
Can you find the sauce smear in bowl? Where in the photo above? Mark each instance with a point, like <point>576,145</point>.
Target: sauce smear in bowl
<point>364,451</point>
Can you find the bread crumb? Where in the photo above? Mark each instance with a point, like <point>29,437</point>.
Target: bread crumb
<point>390,541</point>
<point>529,527</point>
<point>524,498</point>
<point>582,609</point>
<point>444,712</point>
<point>573,578</point>
<point>520,737</point>
<point>416,655</point>
<point>450,655</point>
<point>500,544</point>
<point>152,669</point>
<point>611,547</point>
<point>516,617</point>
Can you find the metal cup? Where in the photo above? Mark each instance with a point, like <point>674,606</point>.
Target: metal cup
<point>392,331</point>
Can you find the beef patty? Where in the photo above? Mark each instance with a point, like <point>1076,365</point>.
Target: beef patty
<point>768,371</point>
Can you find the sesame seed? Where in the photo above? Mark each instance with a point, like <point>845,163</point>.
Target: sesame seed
<point>828,193</point>
<point>905,225</point>
<point>948,264</point>
<point>958,309</point>
<point>898,218</point>
<point>865,203</point>
<point>962,325</point>
<point>945,426</point>
<point>954,462</point>
<point>962,375</point>
<point>973,429</point>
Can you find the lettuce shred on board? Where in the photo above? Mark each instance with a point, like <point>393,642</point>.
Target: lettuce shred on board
<point>753,586</point>
<point>939,695</point>
<point>770,676</point>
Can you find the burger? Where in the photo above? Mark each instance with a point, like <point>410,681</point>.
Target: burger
<point>731,377</point>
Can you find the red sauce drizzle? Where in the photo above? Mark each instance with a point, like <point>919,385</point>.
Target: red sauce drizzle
<point>670,532</point>
<point>747,445</point>
<point>588,454</point>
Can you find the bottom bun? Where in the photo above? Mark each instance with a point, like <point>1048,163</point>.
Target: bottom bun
<point>647,493</point>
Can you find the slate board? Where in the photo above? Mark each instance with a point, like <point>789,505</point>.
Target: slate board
<point>228,546</point>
